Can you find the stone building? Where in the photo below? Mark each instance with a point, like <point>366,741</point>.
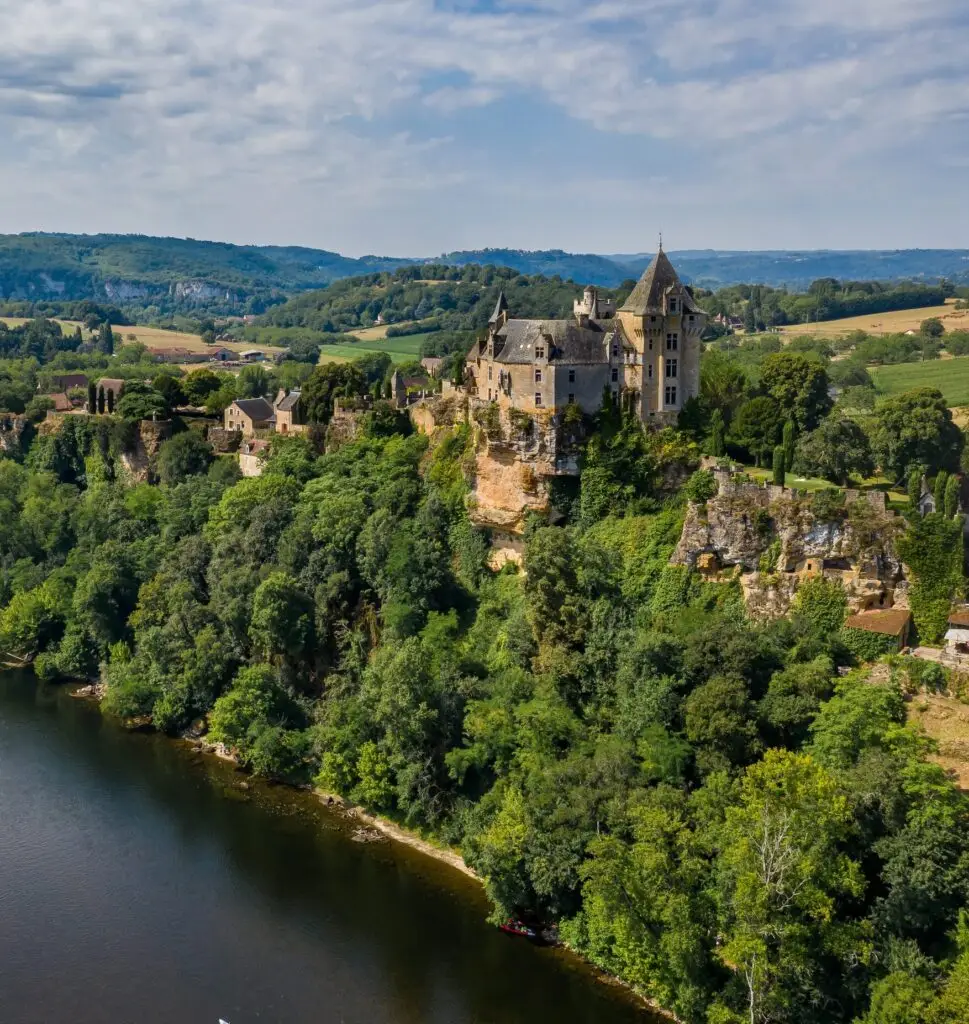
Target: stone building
<point>289,414</point>
<point>249,415</point>
<point>647,352</point>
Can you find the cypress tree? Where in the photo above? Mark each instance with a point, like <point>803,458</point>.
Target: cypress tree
<point>92,398</point>
<point>780,461</point>
<point>101,400</point>
<point>914,489</point>
<point>790,437</point>
<point>939,491</point>
<point>718,446</point>
<point>952,497</point>
<point>110,397</point>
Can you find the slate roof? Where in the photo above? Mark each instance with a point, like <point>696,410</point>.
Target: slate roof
<point>289,403</point>
<point>565,341</point>
<point>257,409</point>
<point>500,308</point>
<point>890,623</point>
<point>652,287</point>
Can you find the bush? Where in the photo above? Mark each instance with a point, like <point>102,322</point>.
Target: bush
<point>866,646</point>
<point>701,487</point>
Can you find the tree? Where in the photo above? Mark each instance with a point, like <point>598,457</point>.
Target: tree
<point>779,463</point>
<point>789,441</point>
<point>835,450</point>
<point>914,489</point>
<point>282,618</point>
<point>952,497</point>
<point>757,427</point>
<point>110,396</point>
<point>140,401</point>
<point>932,328</point>
<point>913,431</point>
<point>254,381</point>
<point>781,877</point>
<point>170,389</point>
<point>938,490</point>
<point>199,384</point>
<point>720,724</point>
<point>718,445</point>
<point>799,385</point>
<point>101,399</point>
<point>722,383</point>
<point>92,398</point>
<point>105,341</point>
<point>899,999</point>
<point>184,455</point>
<point>327,383</point>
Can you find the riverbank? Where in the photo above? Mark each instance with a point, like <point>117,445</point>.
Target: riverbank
<point>394,833</point>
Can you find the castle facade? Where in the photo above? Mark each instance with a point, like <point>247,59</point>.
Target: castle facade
<point>647,353</point>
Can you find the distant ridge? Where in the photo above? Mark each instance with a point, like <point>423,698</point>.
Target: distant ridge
<point>171,274</point>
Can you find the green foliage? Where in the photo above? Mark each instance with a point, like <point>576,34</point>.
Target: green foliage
<point>932,549</point>
<point>757,427</point>
<point>915,430</point>
<point>780,464</point>
<point>798,385</point>
<point>701,487</point>
<point>822,604</point>
<point>836,450</point>
<point>867,646</point>
<point>182,456</point>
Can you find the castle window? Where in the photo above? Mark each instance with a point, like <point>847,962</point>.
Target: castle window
<point>615,351</point>
<point>671,394</point>
<point>538,376</point>
<point>538,399</point>
<point>571,399</point>
<point>539,353</point>
<point>571,376</point>
<point>651,344</point>
<point>490,368</point>
<point>672,305</point>
<point>615,375</point>
<point>652,319</point>
<point>671,367</point>
<point>672,342</point>
<point>692,318</point>
<point>650,371</point>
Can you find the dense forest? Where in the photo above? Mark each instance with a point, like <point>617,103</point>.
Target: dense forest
<point>731,815</point>
<point>153,279</point>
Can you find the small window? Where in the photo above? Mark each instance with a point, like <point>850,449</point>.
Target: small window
<point>538,399</point>
<point>652,319</point>
<point>672,305</point>
<point>571,399</point>
<point>571,376</point>
<point>538,376</point>
<point>650,371</point>
<point>490,368</point>
<point>692,318</point>
<point>671,367</point>
<point>539,353</point>
<point>672,342</point>
<point>615,351</point>
<point>615,374</point>
<point>671,394</point>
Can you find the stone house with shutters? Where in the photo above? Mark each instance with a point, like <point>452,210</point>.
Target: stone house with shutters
<point>249,415</point>
<point>647,353</point>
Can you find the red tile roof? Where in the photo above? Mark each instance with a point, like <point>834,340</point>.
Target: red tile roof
<point>891,623</point>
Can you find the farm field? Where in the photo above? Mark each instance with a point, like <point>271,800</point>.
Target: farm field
<point>400,350</point>
<point>155,337</point>
<point>896,322</point>
<point>950,376</point>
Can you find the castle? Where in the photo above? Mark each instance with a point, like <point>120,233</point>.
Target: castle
<point>647,353</point>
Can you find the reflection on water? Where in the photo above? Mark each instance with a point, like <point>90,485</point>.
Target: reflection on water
<point>140,883</point>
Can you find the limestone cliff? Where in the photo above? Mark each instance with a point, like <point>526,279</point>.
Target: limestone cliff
<point>775,538</point>
<point>140,456</point>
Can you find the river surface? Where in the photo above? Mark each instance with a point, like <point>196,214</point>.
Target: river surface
<point>142,884</point>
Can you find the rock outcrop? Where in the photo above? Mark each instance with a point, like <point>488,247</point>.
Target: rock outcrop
<point>774,538</point>
<point>140,457</point>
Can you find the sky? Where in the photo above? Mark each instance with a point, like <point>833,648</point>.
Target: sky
<point>418,127</point>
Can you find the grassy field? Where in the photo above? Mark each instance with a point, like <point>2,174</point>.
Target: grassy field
<point>401,350</point>
<point>950,376</point>
<point>897,322</point>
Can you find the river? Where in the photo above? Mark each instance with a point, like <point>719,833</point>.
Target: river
<point>142,884</point>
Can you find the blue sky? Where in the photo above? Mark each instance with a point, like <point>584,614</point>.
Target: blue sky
<point>412,127</point>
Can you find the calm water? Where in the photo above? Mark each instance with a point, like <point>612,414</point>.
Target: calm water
<point>139,884</point>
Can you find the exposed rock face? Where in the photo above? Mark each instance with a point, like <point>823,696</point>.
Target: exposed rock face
<point>125,291</point>
<point>224,442</point>
<point>13,434</point>
<point>199,291</point>
<point>776,538</point>
<point>141,459</point>
<point>517,456</point>
<point>446,410</point>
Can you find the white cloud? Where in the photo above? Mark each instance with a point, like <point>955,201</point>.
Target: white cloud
<point>215,105</point>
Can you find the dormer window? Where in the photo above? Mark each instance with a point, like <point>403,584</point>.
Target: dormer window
<point>540,352</point>
<point>672,305</point>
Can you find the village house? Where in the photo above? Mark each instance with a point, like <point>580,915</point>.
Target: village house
<point>647,353</point>
<point>113,390</point>
<point>289,414</point>
<point>249,415</point>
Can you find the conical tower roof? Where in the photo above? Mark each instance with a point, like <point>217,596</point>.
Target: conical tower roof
<point>501,307</point>
<point>648,294</point>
